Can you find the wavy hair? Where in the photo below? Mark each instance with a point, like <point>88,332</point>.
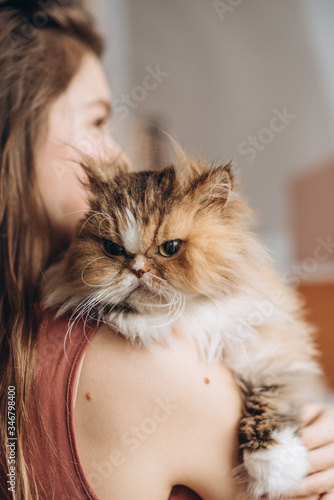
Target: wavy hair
<point>41,47</point>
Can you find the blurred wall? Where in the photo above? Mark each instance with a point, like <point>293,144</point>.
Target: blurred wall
<point>249,79</point>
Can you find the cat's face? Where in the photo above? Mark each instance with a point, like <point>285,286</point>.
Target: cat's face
<point>152,237</point>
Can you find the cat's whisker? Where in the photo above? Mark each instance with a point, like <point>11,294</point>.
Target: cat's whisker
<point>80,310</point>
<point>107,216</point>
<point>86,319</point>
<point>173,312</point>
<point>178,311</point>
<point>89,301</point>
<point>109,232</point>
<point>76,312</point>
<point>179,307</point>
<point>160,305</point>
<point>74,318</point>
<point>82,272</point>
<point>75,212</point>
<point>85,222</point>
<point>157,277</point>
<point>105,296</point>
<point>102,220</point>
<point>92,301</point>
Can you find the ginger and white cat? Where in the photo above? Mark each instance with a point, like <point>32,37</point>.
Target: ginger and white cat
<point>168,248</point>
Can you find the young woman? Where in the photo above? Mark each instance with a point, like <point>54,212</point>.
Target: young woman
<point>106,420</point>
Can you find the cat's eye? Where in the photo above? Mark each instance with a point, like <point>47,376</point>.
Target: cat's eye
<point>111,248</point>
<point>170,248</point>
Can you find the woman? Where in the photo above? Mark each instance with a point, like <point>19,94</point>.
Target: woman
<point>53,100</point>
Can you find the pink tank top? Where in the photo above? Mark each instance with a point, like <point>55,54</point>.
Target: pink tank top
<point>56,459</point>
<point>53,449</point>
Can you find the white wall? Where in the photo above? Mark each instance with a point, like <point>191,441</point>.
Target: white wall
<point>319,20</point>
<point>114,20</point>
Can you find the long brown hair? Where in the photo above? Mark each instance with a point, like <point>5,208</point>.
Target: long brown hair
<point>41,48</point>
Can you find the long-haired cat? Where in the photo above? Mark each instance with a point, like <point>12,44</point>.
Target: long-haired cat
<point>167,248</point>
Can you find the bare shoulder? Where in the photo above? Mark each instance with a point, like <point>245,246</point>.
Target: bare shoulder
<point>146,418</point>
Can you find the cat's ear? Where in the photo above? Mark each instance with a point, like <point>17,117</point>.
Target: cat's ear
<point>216,186</point>
<point>186,169</point>
<point>99,173</point>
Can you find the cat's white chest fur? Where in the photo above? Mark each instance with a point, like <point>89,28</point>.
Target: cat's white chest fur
<point>216,326</point>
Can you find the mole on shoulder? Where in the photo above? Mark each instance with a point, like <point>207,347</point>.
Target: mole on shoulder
<point>89,397</point>
<point>206,380</point>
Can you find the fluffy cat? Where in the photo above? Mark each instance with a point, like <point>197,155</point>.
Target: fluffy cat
<point>167,248</point>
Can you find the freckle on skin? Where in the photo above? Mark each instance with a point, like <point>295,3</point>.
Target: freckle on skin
<point>206,380</point>
<point>89,397</point>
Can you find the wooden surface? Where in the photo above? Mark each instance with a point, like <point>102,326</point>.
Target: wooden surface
<point>319,298</point>
<point>313,209</point>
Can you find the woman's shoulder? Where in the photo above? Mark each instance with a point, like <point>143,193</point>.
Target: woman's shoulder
<point>145,417</point>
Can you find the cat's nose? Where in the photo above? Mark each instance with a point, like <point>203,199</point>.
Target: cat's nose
<point>139,272</point>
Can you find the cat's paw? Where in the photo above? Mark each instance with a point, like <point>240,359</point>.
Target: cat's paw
<point>275,471</point>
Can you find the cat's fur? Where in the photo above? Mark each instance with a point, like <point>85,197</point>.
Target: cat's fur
<point>220,287</point>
